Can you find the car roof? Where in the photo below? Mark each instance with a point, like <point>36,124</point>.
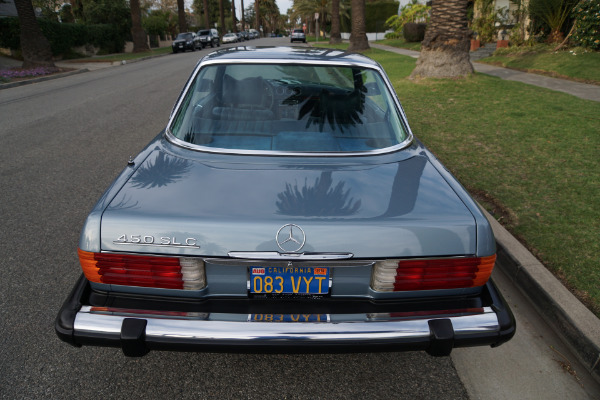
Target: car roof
<point>266,54</point>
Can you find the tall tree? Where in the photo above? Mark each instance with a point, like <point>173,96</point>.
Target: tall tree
<point>335,36</point>
<point>34,45</point>
<point>243,21</point>
<point>140,43</point>
<point>221,16</point>
<point>234,26</point>
<point>181,12</point>
<point>206,20</point>
<point>257,15</point>
<point>358,34</point>
<point>445,49</point>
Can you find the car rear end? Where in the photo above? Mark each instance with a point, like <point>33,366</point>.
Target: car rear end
<point>321,232</point>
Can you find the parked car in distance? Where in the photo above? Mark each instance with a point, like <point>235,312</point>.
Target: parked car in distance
<point>185,41</point>
<point>240,36</point>
<point>286,206</point>
<point>230,38</point>
<point>209,37</point>
<point>298,36</point>
<point>254,34</point>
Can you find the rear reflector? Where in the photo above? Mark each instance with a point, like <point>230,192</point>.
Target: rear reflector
<point>431,274</point>
<point>146,271</point>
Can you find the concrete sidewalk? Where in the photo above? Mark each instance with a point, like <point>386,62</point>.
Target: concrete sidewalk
<point>581,90</point>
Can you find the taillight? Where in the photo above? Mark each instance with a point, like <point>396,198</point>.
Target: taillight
<point>146,271</point>
<point>431,274</point>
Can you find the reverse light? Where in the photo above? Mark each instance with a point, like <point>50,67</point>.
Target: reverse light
<point>431,274</point>
<point>145,271</point>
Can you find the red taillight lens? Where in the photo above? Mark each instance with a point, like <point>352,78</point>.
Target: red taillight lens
<point>145,271</point>
<point>431,274</point>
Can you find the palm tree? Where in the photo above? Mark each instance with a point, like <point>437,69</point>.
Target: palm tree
<point>445,49</point>
<point>181,13</point>
<point>234,27</point>
<point>140,43</point>
<point>243,21</point>
<point>358,36</point>
<point>206,21</point>
<point>257,15</point>
<point>34,45</point>
<point>335,35</point>
<point>222,16</point>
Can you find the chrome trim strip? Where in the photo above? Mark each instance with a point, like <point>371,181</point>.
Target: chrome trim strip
<point>273,255</point>
<point>88,323</point>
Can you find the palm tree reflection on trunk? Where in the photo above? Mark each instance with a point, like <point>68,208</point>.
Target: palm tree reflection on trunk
<point>321,199</point>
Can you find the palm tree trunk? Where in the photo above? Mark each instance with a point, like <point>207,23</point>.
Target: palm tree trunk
<point>445,49</point>
<point>243,23</point>
<point>181,13</point>
<point>257,16</point>
<point>222,16</point>
<point>336,36</point>
<point>206,21</point>
<point>234,27</point>
<point>34,45</point>
<point>358,36</point>
<point>140,42</point>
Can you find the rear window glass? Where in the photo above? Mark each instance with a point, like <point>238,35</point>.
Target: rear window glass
<point>288,108</point>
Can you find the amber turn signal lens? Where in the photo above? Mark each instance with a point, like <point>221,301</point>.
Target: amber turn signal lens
<point>145,271</point>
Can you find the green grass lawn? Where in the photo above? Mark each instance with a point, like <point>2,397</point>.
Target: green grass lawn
<point>401,43</point>
<point>577,63</point>
<point>530,155</point>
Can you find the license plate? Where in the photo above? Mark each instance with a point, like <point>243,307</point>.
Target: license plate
<point>289,280</point>
<point>288,317</point>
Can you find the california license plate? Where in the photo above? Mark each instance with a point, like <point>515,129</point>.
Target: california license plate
<point>289,280</point>
<point>288,318</point>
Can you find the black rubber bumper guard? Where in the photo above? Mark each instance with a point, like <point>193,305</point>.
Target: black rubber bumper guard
<point>133,341</point>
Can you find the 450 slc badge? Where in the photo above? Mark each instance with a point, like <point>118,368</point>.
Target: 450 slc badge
<point>149,240</point>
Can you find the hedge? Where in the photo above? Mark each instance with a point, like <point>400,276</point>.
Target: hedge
<point>63,37</point>
<point>377,13</point>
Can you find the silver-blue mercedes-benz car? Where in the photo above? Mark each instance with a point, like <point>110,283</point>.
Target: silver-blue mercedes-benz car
<point>286,207</point>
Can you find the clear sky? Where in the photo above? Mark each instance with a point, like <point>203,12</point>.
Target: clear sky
<point>284,5</point>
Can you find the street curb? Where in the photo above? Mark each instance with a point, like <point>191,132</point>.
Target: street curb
<point>577,326</point>
<point>42,78</point>
<point>75,72</point>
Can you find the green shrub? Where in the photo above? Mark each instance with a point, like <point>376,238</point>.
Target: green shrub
<point>377,13</point>
<point>9,33</point>
<point>63,37</point>
<point>414,32</point>
<point>409,13</point>
<point>586,32</point>
<point>392,35</point>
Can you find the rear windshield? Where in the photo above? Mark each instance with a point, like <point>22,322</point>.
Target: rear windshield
<point>184,36</point>
<point>203,33</point>
<point>288,108</point>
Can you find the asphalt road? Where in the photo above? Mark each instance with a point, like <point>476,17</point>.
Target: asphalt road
<point>61,143</point>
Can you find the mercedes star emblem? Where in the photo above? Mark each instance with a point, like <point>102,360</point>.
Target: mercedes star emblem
<point>290,238</point>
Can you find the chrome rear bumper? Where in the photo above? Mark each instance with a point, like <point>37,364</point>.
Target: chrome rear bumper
<point>139,330</point>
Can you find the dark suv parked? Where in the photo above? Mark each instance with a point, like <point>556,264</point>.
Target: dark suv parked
<point>185,41</point>
<point>209,37</point>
